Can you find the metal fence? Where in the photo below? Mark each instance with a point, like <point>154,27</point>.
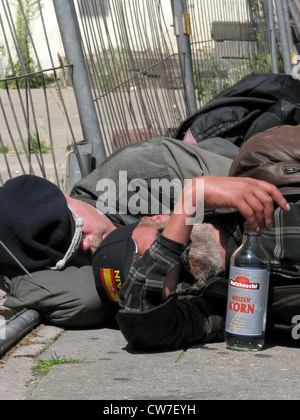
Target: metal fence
<point>230,43</point>
<point>133,69</point>
<point>34,99</point>
<point>139,73</point>
<point>114,72</point>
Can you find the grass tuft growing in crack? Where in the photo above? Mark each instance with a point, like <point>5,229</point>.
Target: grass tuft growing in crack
<point>43,366</point>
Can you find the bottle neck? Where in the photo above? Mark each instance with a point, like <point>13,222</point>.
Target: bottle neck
<point>249,232</point>
<point>251,238</point>
<point>250,253</point>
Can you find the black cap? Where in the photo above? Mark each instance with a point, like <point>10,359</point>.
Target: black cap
<point>112,261</point>
<point>35,225</point>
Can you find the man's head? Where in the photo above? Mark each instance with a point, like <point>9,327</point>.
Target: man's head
<point>96,225</point>
<point>40,228</point>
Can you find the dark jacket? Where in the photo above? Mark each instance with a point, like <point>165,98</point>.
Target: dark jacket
<point>256,103</point>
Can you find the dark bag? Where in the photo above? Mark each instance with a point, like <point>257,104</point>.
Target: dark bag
<point>284,308</point>
<point>282,245</point>
<point>256,103</point>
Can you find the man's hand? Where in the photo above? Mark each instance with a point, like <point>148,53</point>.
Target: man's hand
<point>254,199</point>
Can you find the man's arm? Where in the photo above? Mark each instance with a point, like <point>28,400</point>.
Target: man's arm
<point>254,199</point>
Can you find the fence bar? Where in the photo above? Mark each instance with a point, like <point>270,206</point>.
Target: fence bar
<point>67,21</point>
<point>184,47</point>
<point>284,41</point>
<point>295,15</point>
<point>288,26</point>
<point>272,32</point>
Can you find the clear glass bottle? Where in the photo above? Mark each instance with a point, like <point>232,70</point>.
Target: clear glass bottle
<point>247,295</point>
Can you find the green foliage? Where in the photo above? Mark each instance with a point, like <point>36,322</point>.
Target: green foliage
<point>35,145</point>
<point>3,149</point>
<point>43,366</point>
<point>26,12</point>
<point>218,81</point>
<point>208,87</point>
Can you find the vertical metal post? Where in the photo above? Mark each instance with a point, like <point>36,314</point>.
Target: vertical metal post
<point>273,43</point>
<point>284,41</point>
<point>288,27</point>
<point>182,31</point>
<point>295,16</point>
<point>69,30</point>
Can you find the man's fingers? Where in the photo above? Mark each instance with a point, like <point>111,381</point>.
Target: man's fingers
<point>247,212</point>
<point>276,196</point>
<point>265,209</point>
<point>255,213</point>
<point>254,199</point>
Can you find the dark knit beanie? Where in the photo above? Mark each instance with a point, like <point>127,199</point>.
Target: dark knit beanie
<point>35,225</point>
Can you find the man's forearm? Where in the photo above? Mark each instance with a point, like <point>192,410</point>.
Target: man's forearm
<point>144,286</point>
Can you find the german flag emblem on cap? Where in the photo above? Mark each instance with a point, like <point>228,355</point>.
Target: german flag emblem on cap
<point>112,261</point>
<point>111,282</point>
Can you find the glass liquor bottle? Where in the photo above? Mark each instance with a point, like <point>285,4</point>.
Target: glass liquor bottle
<point>247,295</point>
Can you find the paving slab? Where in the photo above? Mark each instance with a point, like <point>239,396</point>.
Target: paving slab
<point>16,367</point>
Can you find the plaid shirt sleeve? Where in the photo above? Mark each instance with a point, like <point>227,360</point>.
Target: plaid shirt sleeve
<point>143,288</point>
<point>281,243</point>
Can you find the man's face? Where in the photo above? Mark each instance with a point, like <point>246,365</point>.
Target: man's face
<point>96,225</point>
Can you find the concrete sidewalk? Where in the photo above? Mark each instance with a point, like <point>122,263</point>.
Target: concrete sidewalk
<point>108,370</point>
